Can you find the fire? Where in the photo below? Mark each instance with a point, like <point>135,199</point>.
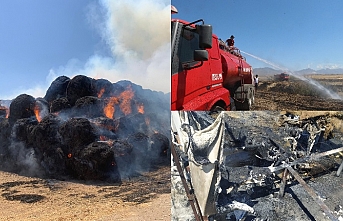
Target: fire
<point>103,138</point>
<point>69,155</point>
<point>37,112</point>
<point>126,97</point>
<point>140,108</point>
<point>101,92</point>
<point>109,108</point>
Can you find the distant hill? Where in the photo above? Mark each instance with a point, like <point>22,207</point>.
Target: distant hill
<point>270,71</point>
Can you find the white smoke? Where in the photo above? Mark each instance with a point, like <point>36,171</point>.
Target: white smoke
<point>138,36</point>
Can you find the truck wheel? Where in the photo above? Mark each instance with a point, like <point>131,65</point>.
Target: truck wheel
<point>217,109</point>
<point>246,105</point>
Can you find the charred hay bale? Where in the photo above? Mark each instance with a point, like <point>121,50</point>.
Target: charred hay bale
<point>141,150</point>
<point>95,162</point>
<point>3,111</point>
<point>45,135</point>
<point>53,161</point>
<point>78,87</point>
<point>117,89</point>
<point>105,127</point>
<point>131,124</point>
<point>22,129</point>
<point>123,153</point>
<point>103,88</point>
<point>50,151</point>
<point>57,89</point>
<point>160,144</point>
<point>77,133</point>
<point>5,132</point>
<point>121,148</point>
<point>21,107</point>
<point>60,104</point>
<point>158,121</point>
<point>88,106</point>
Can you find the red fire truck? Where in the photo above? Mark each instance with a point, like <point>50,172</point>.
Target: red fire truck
<point>205,73</point>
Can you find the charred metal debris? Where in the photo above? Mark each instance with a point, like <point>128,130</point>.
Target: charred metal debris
<point>264,156</point>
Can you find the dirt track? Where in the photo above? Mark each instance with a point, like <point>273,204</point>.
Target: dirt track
<point>293,95</point>
<point>146,197</point>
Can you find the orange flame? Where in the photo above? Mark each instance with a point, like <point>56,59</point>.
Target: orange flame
<point>69,155</point>
<point>101,92</point>
<point>125,104</point>
<point>36,110</point>
<point>109,108</point>
<point>140,108</point>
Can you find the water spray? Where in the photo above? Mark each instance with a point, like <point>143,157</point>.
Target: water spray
<point>331,94</point>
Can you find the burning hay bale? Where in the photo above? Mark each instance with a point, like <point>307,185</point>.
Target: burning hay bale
<point>86,128</point>
<point>105,88</point>
<point>22,107</point>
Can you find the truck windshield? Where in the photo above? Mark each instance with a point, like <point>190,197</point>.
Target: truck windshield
<point>187,40</point>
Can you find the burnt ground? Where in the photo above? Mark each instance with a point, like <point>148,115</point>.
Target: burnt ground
<point>145,197</point>
<point>294,95</point>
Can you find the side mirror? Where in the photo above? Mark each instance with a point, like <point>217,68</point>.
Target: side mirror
<point>200,55</point>
<point>205,36</point>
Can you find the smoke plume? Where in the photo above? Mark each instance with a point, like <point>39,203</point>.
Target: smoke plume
<point>137,34</point>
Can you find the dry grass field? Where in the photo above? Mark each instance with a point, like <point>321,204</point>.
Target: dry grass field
<point>296,94</point>
<point>146,197</point>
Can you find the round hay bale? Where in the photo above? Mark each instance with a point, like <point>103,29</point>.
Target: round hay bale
<point>95,162</point>
<point>45,135</point>
<point>22,129</point>
<point>103,88</point>
<point>59,104</point>
<point>57,89</point>
<point>89,107</point>
<point>79,86</point>
<point>21,107</point>
<point>160,144</point>
<point>77,133</point>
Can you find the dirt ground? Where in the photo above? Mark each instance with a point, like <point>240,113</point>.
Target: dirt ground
<point>298,95</point>
<point>146,197</point>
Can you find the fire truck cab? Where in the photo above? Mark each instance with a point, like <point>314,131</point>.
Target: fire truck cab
<point>205,76</point>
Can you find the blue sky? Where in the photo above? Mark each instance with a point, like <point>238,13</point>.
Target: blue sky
<point>43,39</point>
<point>291,34</point>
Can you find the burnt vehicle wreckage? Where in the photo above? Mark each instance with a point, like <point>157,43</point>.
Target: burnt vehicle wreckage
<point>257,166</point>
<point>86,128</point>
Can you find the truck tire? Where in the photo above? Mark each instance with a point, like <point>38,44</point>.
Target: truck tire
<point>246,105</point>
